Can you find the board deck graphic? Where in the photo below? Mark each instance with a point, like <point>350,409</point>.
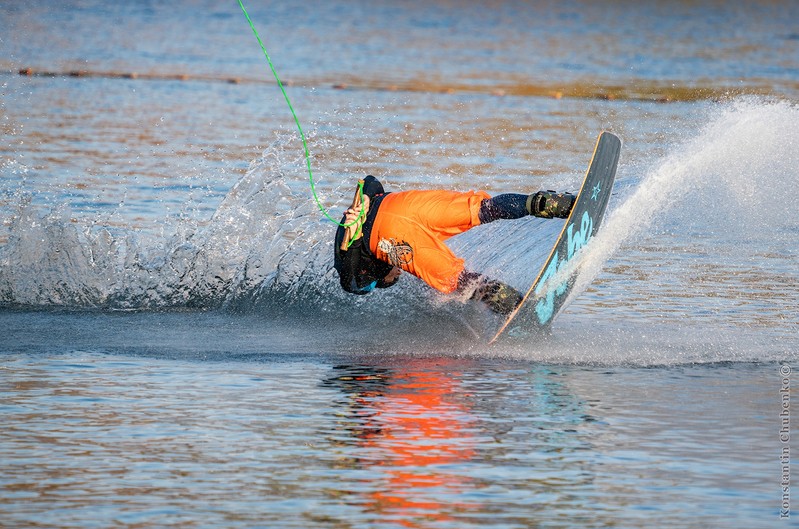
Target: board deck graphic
<point>544,299</point>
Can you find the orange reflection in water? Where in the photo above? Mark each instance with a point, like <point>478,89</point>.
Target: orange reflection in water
<point>413,432</point>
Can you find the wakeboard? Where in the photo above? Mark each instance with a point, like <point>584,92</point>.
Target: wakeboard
<point>554,282</point>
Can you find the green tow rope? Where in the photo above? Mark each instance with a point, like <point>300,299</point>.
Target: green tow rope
<point>302,134</point>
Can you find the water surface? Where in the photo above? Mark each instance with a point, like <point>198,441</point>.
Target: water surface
<point>176,350</point>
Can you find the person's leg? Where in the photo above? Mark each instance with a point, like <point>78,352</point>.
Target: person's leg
<point>413,225</point>
<point>545,204</point>
<point>410,229</point>
<point>445,213</point>
<point>505,206</point>
<point>500,297</point>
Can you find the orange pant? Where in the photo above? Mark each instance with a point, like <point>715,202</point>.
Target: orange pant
<point>410,229</point>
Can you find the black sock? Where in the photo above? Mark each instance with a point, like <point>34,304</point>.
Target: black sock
<point>505,206</point>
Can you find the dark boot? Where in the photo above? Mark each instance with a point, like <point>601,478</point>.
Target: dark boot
<point>499,297</point>
<point>550,204</point>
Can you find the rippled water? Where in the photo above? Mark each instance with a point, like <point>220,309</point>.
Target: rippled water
<point>364,440</point>
<point>176,350</point>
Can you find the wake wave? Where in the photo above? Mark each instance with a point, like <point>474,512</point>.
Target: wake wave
<point>248,247</point>
<point>268,250</point>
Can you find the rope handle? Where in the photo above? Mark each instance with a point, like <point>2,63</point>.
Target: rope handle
<point>353,231</point>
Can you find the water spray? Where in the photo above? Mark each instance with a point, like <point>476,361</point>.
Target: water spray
<point>358,202</point>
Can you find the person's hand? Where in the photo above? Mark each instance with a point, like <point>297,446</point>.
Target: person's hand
<point>393,275</point>
<point>353,213</point>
